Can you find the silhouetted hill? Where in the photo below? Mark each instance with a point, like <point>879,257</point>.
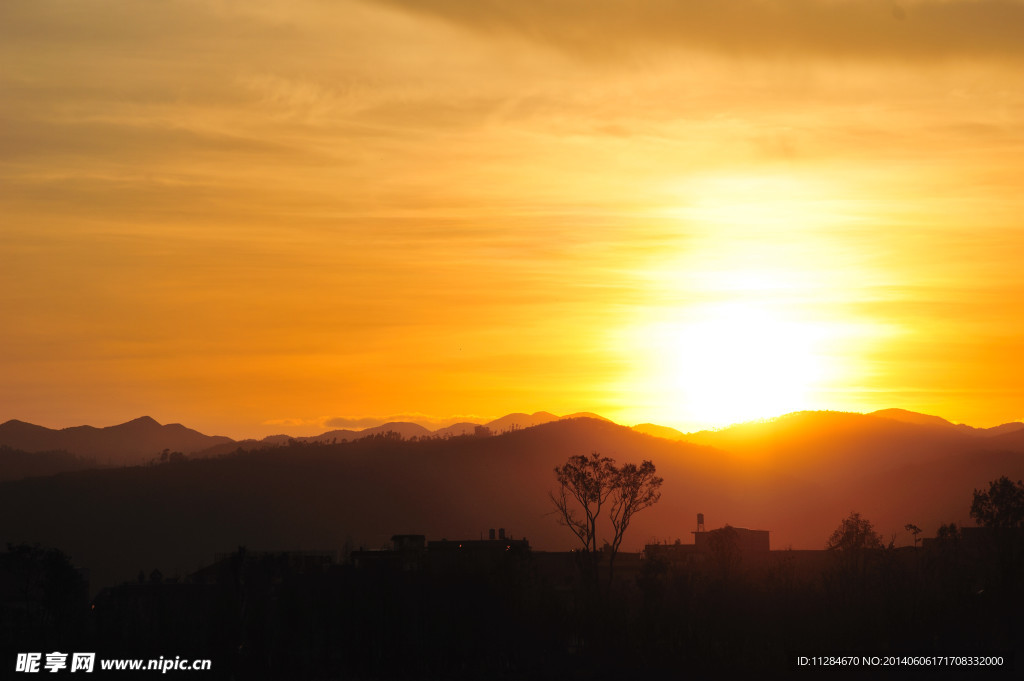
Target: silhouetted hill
<point>1013,440</point>
<point>893,472</point>
<point>456,430</point>
<point>797,477</point>
<point>406,430</point>
<point>1004,429</point>
<point>926,420</point>
<point>520,420</point>
<point>659,431</point>
<point>811,440</point>
<point>912,417</point>
<point>829,445</point>
<point>136,441</point>
<point>586,415</point>
<point>15,433</point>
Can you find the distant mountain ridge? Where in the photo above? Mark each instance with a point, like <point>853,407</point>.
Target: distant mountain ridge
<point>912,417</point>
<point>137,441</point>
<point>924,419</point>
<point>407,430</point>
<point>141,440</point>
<point>659,431</point>
<point>897,415</point>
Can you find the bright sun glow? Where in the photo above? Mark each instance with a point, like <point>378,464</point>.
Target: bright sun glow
<point>734,361</point>
<point>734,329</point>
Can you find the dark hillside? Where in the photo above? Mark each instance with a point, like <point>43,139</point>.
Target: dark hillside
<point>176,516</point>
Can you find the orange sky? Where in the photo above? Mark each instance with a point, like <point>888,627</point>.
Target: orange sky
<point>256,217</point>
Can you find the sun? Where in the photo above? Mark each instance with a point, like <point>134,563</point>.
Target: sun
<point>728,362</point>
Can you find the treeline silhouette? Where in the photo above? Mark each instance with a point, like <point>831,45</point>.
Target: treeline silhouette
<point>16,464</point>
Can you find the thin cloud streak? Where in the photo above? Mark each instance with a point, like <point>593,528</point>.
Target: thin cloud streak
<point>865,29</point>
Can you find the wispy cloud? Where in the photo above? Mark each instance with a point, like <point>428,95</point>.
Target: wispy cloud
<point>357,422</point>
<point>868,29</point>
<point>429,421</point>
<point>292,422</point>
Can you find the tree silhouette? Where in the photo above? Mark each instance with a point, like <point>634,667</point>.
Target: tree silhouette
<point>634,488</point>
<point>948,533</point>
<point>1001,509</point>
<point>587,484</point>
<point>854,534</point>
<point>584,484</point>
<point>1002,506</point>
<point>914,530</point>
<point>851,543</point>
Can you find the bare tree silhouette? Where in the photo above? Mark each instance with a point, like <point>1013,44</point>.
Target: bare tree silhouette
<point>587,484</point>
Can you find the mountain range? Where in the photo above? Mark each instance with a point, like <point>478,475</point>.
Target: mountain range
<point>133,442</point>
<point>142,440</point>
<point>797,476</point>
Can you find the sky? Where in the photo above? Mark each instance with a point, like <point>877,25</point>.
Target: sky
<point>262,217</point>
